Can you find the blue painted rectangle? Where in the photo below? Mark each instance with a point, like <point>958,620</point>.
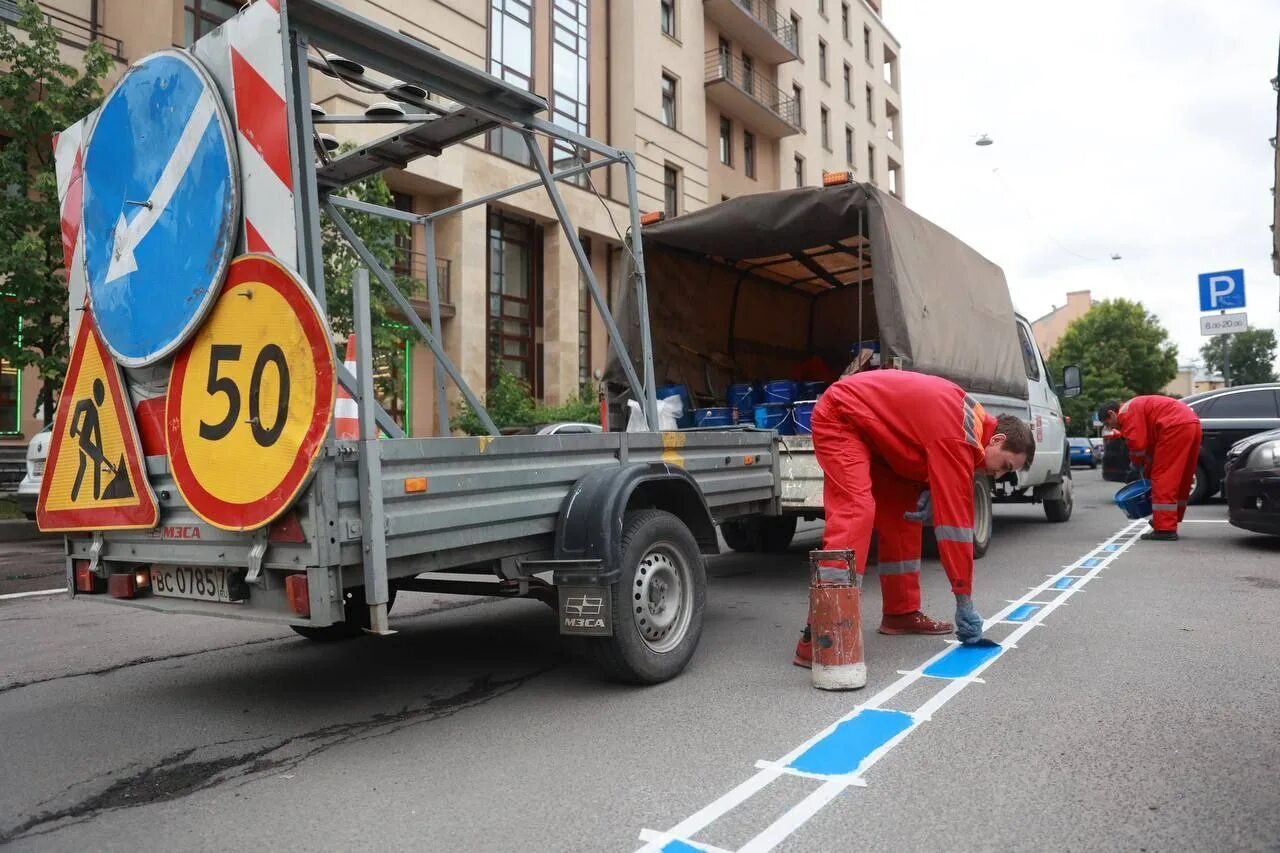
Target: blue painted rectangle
<point>1112,547</point>
<point>1063,583</point>
<point>678,846</point>
<point>849,744</point>
<point>1091,562</point>
<point>1020,614</point>
<point>961,661</point>
<point>1224,289</point>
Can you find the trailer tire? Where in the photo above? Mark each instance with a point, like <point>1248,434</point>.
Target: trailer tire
<point>356,623</point>
<point>769,534</point>
<point>662,575</point>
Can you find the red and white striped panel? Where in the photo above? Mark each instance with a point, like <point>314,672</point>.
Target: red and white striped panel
<point>68,162</point>
<point>246,58</point>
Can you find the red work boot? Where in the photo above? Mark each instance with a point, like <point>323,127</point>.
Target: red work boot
<point>804,650</point>
<point>913,623</point>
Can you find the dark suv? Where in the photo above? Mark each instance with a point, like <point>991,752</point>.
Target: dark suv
<point>1226,416</point>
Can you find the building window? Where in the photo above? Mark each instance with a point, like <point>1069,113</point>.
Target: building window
<point>668,100</point>
<point>822,8</point>
<point>511,59</point>
<point>569,81</point>
<point>848,146</point>
<point>10,398</point>
<point>668,13</point>
<point>871,100</point>
<point>894,121</point>
<point>822,60</point>
<point>795,28</point>
<point>584,321</point>
<point>890,68</point>
<point>726,141</point>
<point>844,20</point>
<point>799,171</point>
<point>824,125</point>
<point>671,190</point>
<point>866,43</point>
<point>749,153</point>
<point>203,16</point>
<point>515,306</point>
<point>848,84</point>
<point>798,94</point>
<point>748,75</point>
<point>871,162</point>
<point>895,178</point>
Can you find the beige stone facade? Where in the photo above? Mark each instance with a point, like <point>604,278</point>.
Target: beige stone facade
<point>1050,327</point>
<point>661,78</point>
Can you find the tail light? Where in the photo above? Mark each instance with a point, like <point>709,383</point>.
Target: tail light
<point>652,216</point>
<point>299,595</point>
<point>86,580</point>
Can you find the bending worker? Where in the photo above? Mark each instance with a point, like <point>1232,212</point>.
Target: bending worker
<point>900,449</point>
<point>1163,435</point>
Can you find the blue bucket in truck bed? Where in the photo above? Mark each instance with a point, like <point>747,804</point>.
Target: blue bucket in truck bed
<point>744,397</point>
<point>720,416</point>
<point>780,391</point>
<point>804,417</point>
<point>775,416</point>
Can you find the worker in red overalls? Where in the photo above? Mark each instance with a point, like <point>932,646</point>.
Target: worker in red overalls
<point>899,450</point>
<point>1163,435</point>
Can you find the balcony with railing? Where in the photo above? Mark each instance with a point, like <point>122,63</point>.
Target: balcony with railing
<point>756,25</point>
<point>743,93</point>
<point>413,266</point>
<point>73,29</point>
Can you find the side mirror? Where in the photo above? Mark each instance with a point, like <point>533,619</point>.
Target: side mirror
<point>1070,381</point>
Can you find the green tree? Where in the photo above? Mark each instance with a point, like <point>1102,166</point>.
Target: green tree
<point>1253,355</point>
<point>340,263</point>
<point>1122,351</point>
<point>511,404</point>
<point>40,96</point>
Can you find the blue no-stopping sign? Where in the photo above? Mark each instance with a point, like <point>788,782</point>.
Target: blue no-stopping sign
<point>1221,290</point>
<point>161,205</point>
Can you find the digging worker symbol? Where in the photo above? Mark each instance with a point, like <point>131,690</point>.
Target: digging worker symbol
<point>899,450</point>
<point>86,426</point>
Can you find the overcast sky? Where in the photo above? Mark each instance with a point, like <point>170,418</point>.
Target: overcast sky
<point>1134,127</point>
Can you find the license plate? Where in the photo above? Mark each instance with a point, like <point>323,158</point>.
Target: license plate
<point>37,468</point>
<point>190,582</point>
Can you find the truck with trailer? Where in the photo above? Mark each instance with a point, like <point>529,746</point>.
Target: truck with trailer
<point>608,529</point>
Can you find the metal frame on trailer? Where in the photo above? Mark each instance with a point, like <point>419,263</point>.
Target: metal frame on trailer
<point>484,103</point>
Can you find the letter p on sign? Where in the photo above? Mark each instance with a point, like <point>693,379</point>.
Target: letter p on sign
<point>1221,290</point>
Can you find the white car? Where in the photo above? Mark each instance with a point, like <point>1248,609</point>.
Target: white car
<point>29,488</point>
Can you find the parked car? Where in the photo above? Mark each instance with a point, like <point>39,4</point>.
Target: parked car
<point>1227,416</point>
<point>1253,483</point>
<point>29,488</point>
<point>1082,452</point>
<point>1116,467</point>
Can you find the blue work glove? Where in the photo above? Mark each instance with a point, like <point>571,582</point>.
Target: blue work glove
<point>968,622</point>
<point>924,510</point>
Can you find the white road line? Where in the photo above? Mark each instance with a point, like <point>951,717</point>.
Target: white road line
<point>1204,521</point>
<point>31,594</point>
<point>770,771</point>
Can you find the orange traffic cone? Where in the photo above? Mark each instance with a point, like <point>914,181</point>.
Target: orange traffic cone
<point>346,412</point>
<point>835,619</point>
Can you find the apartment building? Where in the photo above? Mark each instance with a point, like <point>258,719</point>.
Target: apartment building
<point>1049,328</point>
<point>717,98</point>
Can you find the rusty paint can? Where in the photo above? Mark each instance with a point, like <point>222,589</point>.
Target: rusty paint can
<point>835,620</point>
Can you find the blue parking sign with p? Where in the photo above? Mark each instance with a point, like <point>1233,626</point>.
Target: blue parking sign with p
<point>1221,290</point>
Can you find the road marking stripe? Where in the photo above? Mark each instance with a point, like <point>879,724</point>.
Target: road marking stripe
<point>31,594</point>
<point>769,772</point>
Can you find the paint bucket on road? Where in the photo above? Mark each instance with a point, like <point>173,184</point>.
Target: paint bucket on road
<point>744,397</point>
<point>1134,499</point>
<point>721,416</point>
<point>780,391</point>
<point>775,416</point>
<point>835,621</point>
<point>803,414</point>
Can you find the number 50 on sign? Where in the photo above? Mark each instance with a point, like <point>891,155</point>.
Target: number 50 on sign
<point>251,398</point>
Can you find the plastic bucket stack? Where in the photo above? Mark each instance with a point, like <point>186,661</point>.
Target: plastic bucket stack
<point>743,397</point>
<point>720,416</point>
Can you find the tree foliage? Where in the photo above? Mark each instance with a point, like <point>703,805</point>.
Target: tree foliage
<point>1122,351</point>
<point>40,96</point>
<point>511,404</point>
<point>1253,355</point>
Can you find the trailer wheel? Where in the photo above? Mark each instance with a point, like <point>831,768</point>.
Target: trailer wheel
<point>1059,510</point>
<point>772,535</point>
<point>357,619</point>
<point>981,516</point>
<point>657,602</point>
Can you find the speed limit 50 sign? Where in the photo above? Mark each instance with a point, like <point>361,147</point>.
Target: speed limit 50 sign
<point>251,397</point>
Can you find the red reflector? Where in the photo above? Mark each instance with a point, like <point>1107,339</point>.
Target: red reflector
<point>295,589</point>
<point>652,217</point>
<point>287,529</point>
<point>836,179</point>
<point>86,581</point>
<point>122,586</point>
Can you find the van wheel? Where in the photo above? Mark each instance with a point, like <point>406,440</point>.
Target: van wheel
<point>356,618</point>
<point>1059,509</point>
<point>657,602</point>
<point>981,516</point>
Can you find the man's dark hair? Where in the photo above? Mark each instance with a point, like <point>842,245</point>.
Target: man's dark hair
<point>1107,408</point>
<point>1017,437</point>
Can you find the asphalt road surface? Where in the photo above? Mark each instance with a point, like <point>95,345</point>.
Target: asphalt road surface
<point>1139,710</point>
